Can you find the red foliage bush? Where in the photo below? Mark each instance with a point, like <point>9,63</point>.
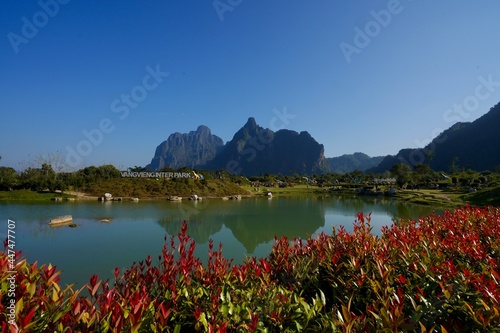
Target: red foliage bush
<point>438,273</point>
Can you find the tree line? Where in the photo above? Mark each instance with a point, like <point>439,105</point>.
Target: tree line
<point>46,177</point>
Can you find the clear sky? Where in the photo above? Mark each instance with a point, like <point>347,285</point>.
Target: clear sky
<point>367,76</point>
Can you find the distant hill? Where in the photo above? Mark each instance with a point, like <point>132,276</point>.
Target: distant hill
<point>186,150</point>
<point>253,150</point>
<point>350,162</point>
<point>474,145</point>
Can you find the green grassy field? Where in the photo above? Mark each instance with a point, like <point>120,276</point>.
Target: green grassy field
<point>297,190</point>
<point>430,197</point>
<point>490,196</point>
<point>162,188</point>
<point>31,195</point>
<point>426,197</point>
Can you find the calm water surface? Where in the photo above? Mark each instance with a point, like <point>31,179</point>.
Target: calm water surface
<point>246,227</point>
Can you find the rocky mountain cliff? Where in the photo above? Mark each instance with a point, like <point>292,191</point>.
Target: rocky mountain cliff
<point>474,145</point>
<point>186,150</point>
<point>253,150</point>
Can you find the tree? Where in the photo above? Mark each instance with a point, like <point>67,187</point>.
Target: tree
<point>137,169</point>
<point>8,178</point>
<point>453,165</point>
<point>88,175</point>
<point>108,171</point>
<point>422,173</point>
<point>429,156</point>
<point>55,160</point>
<point>48,176</point>
<point>402,172</point>
<point>39,179</point>
<point>422,169</point>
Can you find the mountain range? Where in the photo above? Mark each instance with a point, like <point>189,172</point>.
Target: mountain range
<point>255,150</point>
<point>350,162</point>
<point>465,145</point>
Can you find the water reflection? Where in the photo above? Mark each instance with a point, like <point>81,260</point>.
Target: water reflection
<point>245,227</point>
<point>258,220</point>
<point>252,221</point>
<point>348,205</point>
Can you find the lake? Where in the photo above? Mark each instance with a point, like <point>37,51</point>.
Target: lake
<point>245,227</point>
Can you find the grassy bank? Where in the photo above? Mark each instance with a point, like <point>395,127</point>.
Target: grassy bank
<point>425,197</point>
<point>163,188</point>
<point>31,195</point>
<point>297,190</point>
<point>430,197</point>
<point>490,196</point>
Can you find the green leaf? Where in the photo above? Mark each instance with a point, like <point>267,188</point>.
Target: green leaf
<point>225,310</point>
<point>58,316</point>
<point>375,315</point>
<point>105,325</point>
<point>305,305</point>
<point>322,295</point>
<point>203,320</point>
<point>31,289</point>
<point>19,306</point>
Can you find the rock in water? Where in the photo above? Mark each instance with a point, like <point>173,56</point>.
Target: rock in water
<point>61,220</point>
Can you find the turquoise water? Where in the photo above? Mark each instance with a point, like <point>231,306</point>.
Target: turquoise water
<point>246,228</point>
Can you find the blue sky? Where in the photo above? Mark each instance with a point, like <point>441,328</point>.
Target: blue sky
<point>368,76</point>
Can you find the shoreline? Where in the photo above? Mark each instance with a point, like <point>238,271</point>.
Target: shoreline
<point>414,197</point>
